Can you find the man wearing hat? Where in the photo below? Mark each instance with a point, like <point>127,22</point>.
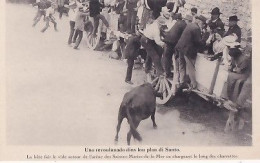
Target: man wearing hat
<point>171,38</point>
<point>234,28</point>
<point>216,26</point>
<point>215,23</point>
<point>186,52</point>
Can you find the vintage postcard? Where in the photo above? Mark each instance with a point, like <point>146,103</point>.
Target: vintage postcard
<point>129,80</point>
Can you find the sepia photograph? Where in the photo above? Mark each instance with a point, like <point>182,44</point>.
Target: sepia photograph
<point>127,76</point>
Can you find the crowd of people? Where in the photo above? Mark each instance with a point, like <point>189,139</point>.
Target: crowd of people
<point>158,32</point>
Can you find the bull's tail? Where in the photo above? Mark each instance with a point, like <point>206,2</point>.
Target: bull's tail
<point>134,132</point>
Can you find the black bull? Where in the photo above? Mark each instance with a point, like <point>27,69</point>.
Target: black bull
<point>137,105</point>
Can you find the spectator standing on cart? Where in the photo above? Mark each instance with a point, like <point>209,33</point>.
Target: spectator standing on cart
<point>234,28</point>
<point>186,52</point>
<point>95,8</point>
<point>215,23</point>
<point>216,26</point>
<point>171,38</point>
<point>50,18</point>
<point>79,26</point>
<point>72,17</point>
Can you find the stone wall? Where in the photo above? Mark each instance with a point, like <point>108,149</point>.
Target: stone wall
<point>241,8</point>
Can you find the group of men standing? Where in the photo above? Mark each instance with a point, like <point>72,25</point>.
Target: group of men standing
<point>181,41</point>
<point>166,36</point>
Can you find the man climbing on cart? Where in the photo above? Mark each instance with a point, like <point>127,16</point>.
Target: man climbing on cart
<point>95,8</point>
<point>151,41</point>
<point>186,52</point>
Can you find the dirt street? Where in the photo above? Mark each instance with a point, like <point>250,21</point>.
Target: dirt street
<point>60,96</point>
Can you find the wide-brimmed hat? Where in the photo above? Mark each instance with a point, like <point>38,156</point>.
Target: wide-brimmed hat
<point>231,41</point>
<point>233,18</point>
<point>194,9</point>
<point>215,11</point>
<point>201,18</point>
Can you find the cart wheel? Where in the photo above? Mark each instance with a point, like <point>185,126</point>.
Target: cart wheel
<point>163,86</point>
<point>92,42</point>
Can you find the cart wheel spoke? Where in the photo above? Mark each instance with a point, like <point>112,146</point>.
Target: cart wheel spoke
<point>155,80</point>
<point>161,86</point>
<point>90,41</point>
<point>164,87</point>
<point>157,85</point>
<point>94,41</point>
<point>167,85</point>
<point>163,83</point>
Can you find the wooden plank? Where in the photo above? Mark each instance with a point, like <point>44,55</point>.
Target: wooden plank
<point>205,71</point>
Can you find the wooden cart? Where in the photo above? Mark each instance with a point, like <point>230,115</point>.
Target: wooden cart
<point>211,78</point>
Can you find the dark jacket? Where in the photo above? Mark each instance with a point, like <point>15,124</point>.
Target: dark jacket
<point>94,8</point>
<point>131,4</point>
<point>119,7</point>
<point>156,7</point>
<point>132,46</point>
<point>190,41</point>
<point>236,29</point>
<point>217,26</point>
<point>174,34</point>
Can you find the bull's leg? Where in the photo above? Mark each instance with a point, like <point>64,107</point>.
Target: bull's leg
<point>120,119</point>
<point>129,134</point>
<point>153,119</point>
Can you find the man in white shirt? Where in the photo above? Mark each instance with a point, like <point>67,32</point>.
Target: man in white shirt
<point>49,18</point>
<point>72,16</point>
<point>151,41</point>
